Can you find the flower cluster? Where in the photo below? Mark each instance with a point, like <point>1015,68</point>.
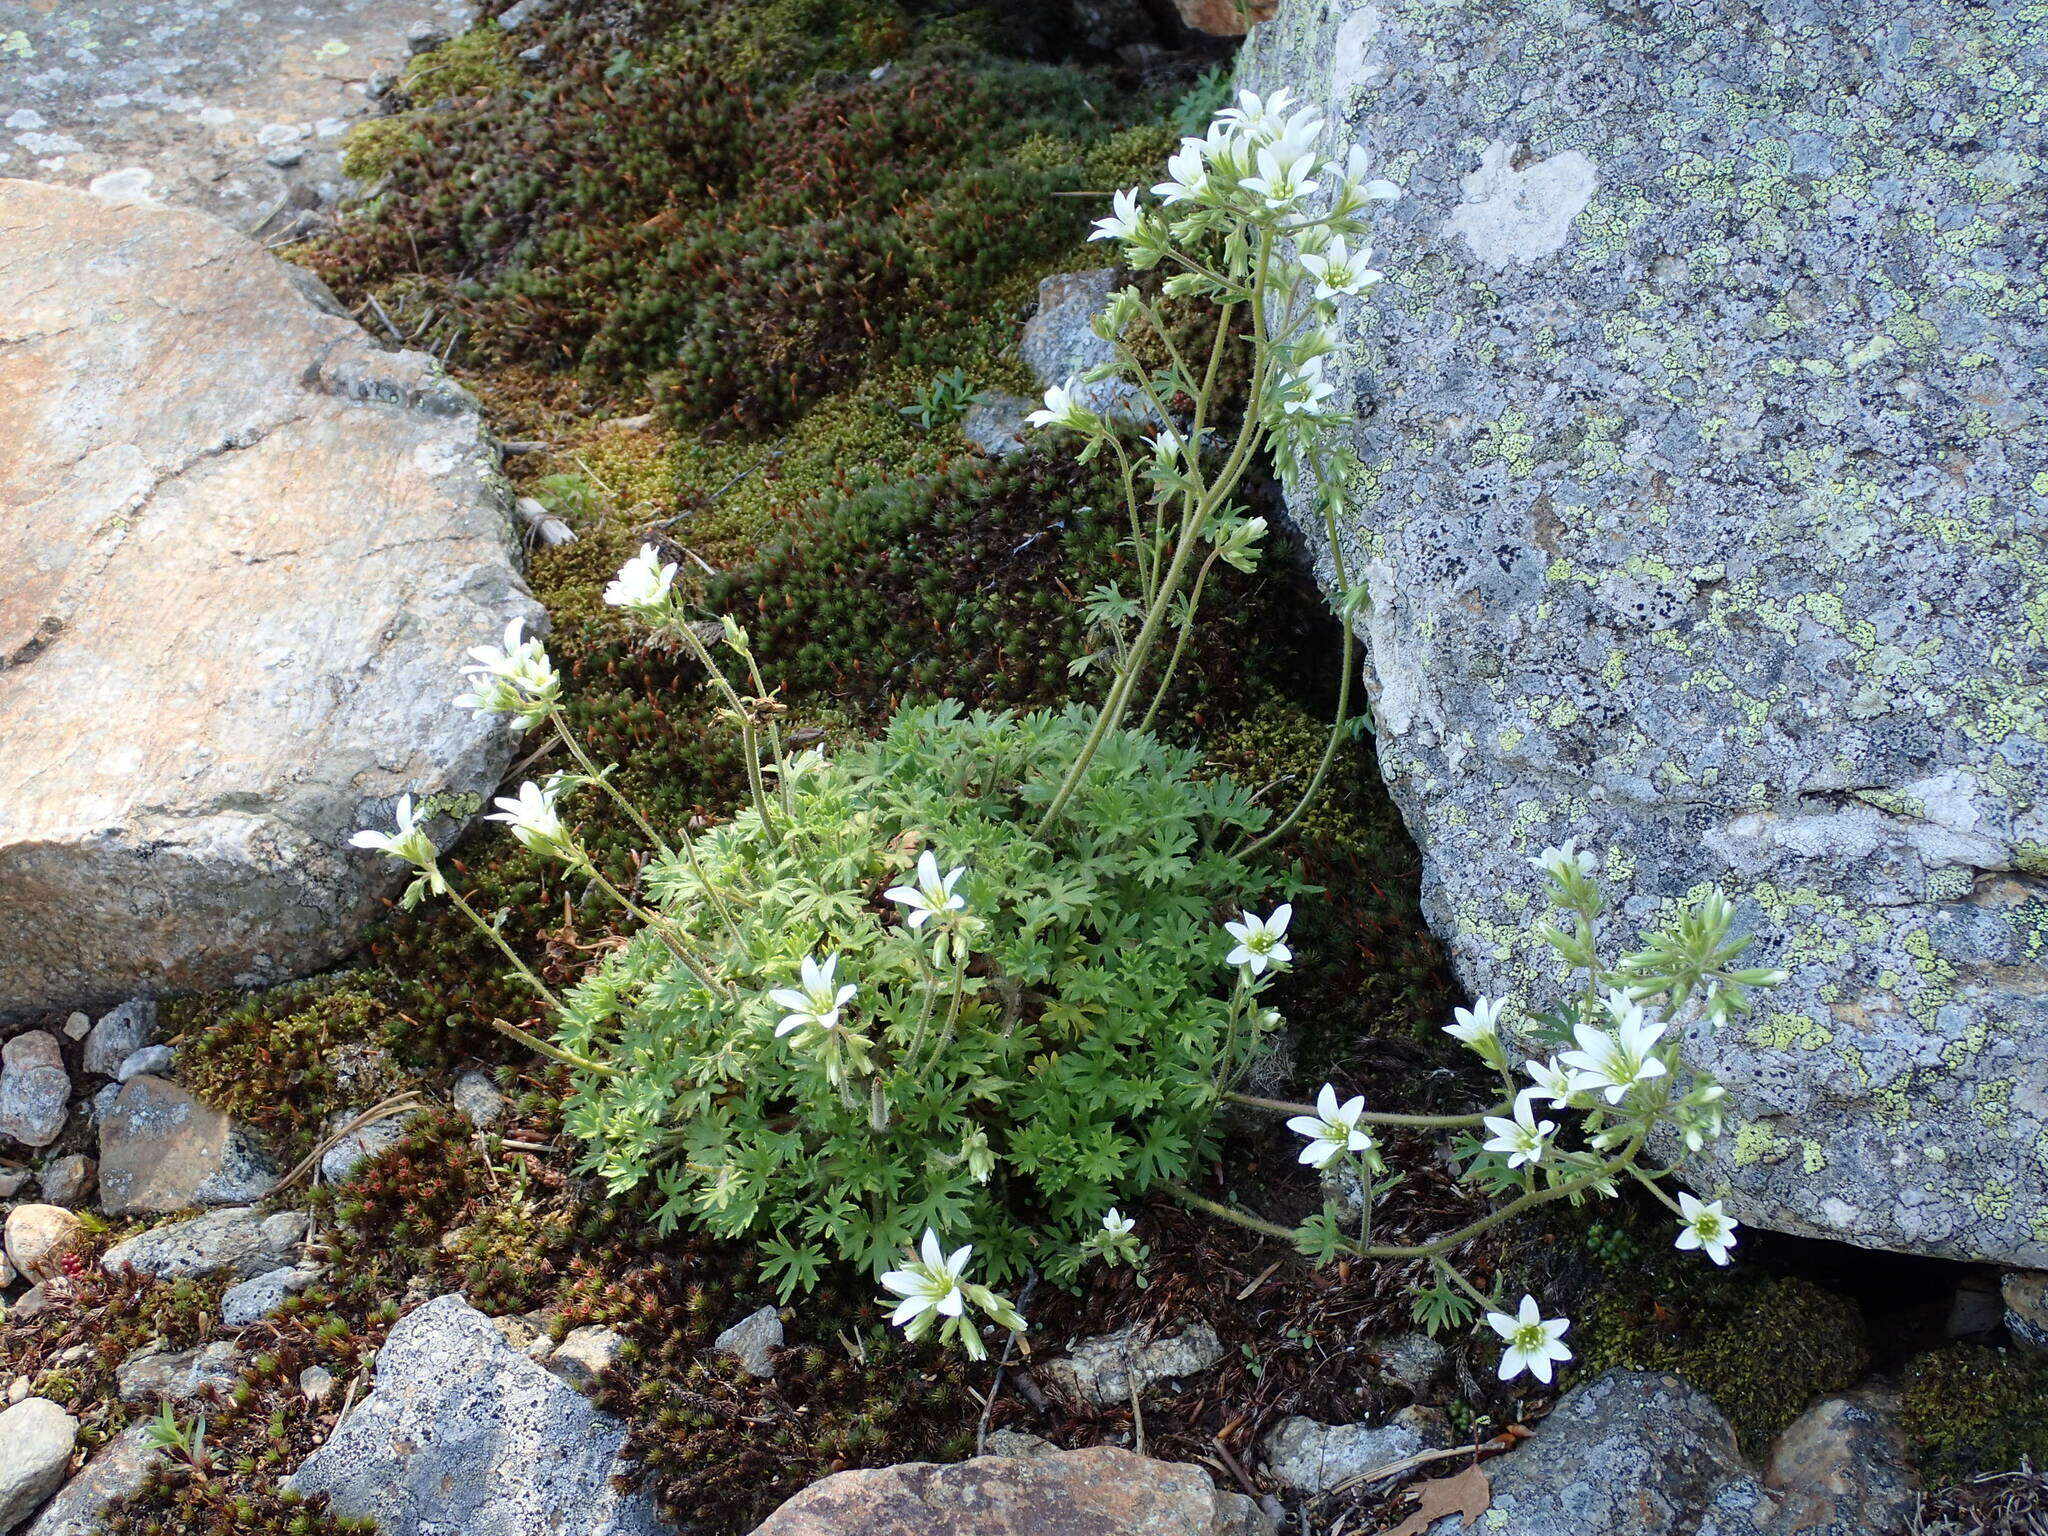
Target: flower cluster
<point>934,1288</point>
<point>1616,1067</point>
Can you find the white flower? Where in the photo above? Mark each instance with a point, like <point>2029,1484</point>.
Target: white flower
<point>1338,271</point>
<point>1705,1226</point>
<point>515,679</point>
<point>1553,1082</point>
<point>1566,860</point>
<point>1062,409</point>
<point>930,1283</point>
<point>1360,182</point>
<point>932,895</point>
<point>1187,174</point>
<point>1532,1341</point>
<point>815,1000</point>
<point>533,819</point>
<point>1124,220</point>
<point>1166,445</point>
<point>408,844</point>
<point>1256,114</point>
<point>1261,941</point>
<point>1116,1223</point>
<point>1306,391</point>
<point>1333,1129</point>
<point>1283,179</point>
<point>1615,1063</point>
<point>1524,1138</point>
<point>1479,1025</point>
<point>643,583</point>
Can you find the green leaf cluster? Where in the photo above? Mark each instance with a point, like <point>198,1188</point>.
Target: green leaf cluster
<point>1006,1098</point>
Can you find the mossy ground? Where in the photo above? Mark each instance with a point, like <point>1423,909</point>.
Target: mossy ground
<point>703,261</point>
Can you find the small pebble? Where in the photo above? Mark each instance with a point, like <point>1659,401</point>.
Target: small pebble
<point>153,1059</point>
<point>285,158</point>
<point>78,1026</point>
<point>316,1381</point>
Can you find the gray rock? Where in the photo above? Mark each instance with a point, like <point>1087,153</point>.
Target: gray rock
<point>1105,1370</point>
<point>464,1434</point>
<point>995,424</point>
<point>1015,1443</point>
<point>752,1341</point>
<point>68,1181</point>
<point>150,1061</point>
<point>197,835</point>
<point>424,37</point>
<point>77,1025</point>
<point>1058,343</point>
<point>103,1102</point>
<point>584,1355</point>
<point>256,1298</point>
<point>115,1471</point>
<point>285,156</point>
<point>161,1149</point>
<point>2025,1294</point>
<point>1702,521</point>
<point>33,1301</point>
<point>240,1241</point>
<point>315,1382</point>
<point>119,1034</point>
<point>12,1182</point>
<point>1627,1454</point>
<point>1411,1360</point>
<point>153,1375</point>
<point>515,16</point>
<point>1312,1457</point>
<point>477,1098</point>
<point>36,1437</point>
<point>358,1147</point>
<point>35,1090</point>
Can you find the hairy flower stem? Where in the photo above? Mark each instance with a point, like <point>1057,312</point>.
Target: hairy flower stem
<point>749,742</point>
<point>531,1041</point>
<point>1199,511</point>
<point>1180,645</point>
<point>568,739</point>
<point>1420,1122</point>
<point>661,925</point>
<point>1429,1250</point>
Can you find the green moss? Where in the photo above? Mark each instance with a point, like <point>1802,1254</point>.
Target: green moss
<point>375,145</point>
<point>1761,1346</point>
<point>479,62</point>
<point>281,1060</point>
<point>1970,1410</point>
<point>1379,974</point>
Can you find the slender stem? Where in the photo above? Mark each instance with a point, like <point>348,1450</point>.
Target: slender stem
<point>660,925</point>
<point>711,893</point>
<point>568,739</point>
<point>1347,664</point>
<point>1424,1122</point>
<point>1180,645</point>
<point>507,950</point>
<point>541,1047</point>
<point>1147,556</point>
<point>1657,1189</point>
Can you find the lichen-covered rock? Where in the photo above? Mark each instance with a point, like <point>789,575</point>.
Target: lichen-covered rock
<point>119,1034</point>
<point>240,1241</point>
<point>36,1437</point>
<point>115,1471</point>
<point>157,1374</point>
<point>1097,1492</point>
<point>1844,1464</point>
<point>35,1090</point>
<point>244,553</point>
<point>68,1180</point>
<point>1705,466</point>
<point>464,1434</point>
<point>752,1341</point>
<point>1106,1370</point>
<point>162,1149</point>
<point>1059,343</point>
<point>1313,1457</point>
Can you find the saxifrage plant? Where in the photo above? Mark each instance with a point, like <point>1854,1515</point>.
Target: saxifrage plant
<point>990,973</point>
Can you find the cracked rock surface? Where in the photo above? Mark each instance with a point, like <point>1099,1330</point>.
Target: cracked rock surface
<point>1702,509</point>
<point>242,554</point>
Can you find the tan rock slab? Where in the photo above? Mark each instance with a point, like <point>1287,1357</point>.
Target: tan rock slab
<point>242,553</point>
<point>161,1149</point>
<point>1098,1492</point>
